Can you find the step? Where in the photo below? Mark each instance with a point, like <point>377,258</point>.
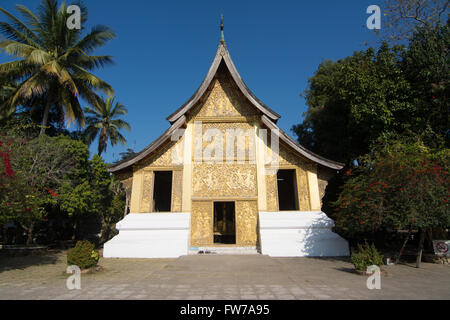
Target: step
<point>224,250</point>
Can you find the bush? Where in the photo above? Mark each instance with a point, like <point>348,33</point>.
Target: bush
<point>83,255</point>
<point>366,256</point>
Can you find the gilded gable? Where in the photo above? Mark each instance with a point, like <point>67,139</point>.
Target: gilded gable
<point>223,99</point>
<point>168,155</point>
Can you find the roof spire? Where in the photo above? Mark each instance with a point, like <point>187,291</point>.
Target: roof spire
<point>222,37</point>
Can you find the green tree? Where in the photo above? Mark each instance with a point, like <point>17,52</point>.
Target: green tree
<point>426,65</point>
<point>115,209</point>
<point>399,185</point>
<point>351,102</point>
<point>52,62</point>
<point>32,170</point>
<point>105,124</point>
<point>127,154</point>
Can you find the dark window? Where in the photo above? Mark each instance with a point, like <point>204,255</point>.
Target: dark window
<point>287,190</point>
<point>224,223</point>
<point>162,192</point>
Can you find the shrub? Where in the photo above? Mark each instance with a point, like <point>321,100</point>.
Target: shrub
<point>83,255</point>
<point>366,256</point>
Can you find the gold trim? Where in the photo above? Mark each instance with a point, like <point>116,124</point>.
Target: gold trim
<point>159,168</point>
<point>228,119</point>
<point>224,199</point>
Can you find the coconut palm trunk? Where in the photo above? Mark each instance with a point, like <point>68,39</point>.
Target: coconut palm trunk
<point>45,118</point>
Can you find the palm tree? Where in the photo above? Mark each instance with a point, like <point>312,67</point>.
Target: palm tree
<point>104,123</point>
<point>6,88</point>
<point>54,62</point>
<point>127,154</point>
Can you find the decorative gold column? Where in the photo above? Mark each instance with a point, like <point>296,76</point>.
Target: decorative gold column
<point>314,189</point>
<point>187,170</point>
<point>136,191</point>
<point>260,168</point>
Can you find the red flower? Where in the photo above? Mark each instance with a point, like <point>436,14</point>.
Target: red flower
<point>349,172</point>
<point>7,164</point>
<point>53,193</point>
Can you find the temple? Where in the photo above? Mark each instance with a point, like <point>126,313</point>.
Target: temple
<point>225,179</point>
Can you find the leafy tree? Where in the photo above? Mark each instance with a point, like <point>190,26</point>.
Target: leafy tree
<point>53,62</point>
<point>127,154</point>
<point>6,88</point>
<point>105,124</point>
<point>32,171</point>
<point>399,185</point>
<point>96,194</point>
<point>426,65</point>
<point>115,210</point>
<point>351,102</point>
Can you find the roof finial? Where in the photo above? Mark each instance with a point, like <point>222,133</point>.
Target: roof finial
<point>222,37</point>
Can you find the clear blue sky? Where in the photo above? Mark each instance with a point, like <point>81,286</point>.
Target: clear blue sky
<point>163,50</point>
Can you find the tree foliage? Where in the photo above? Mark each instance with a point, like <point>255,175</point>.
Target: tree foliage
<point>354,101</point>
<point>104,123</point>
<point>402,17</point>
<point>399,185</point>
<point>45,174</point>
<point>52,63</point>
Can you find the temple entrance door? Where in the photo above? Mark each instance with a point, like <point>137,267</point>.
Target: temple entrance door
<point>162,191</point>
<point>224,223</point>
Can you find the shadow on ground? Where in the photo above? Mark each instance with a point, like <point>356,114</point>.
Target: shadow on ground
<point>8,262</point>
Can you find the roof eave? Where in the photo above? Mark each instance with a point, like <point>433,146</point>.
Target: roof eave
<point>299,148</point>
<point>150,148</point>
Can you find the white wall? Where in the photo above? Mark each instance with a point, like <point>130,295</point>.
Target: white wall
<point>300,234</point>
<point>155,235</point>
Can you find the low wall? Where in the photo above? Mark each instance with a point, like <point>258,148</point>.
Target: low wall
<point>300,234</point>
<point>153,235</point>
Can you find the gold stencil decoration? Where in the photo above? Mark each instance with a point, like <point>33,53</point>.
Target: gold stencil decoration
<point>223,99</point>
<point>272,192</point>
<point>163,157</point>
<point>177,190</point>
<point>147,192</point>
<point>224,180</point>
<point>303,190</point>
<point>201,223</point>
<point>246,223</point>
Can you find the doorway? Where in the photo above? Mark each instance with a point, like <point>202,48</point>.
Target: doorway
<point>224,223</point>
<point>162,191</point>
<point>287,190</point>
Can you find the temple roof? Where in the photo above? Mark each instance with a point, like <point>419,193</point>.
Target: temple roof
<point>268,117</point>
<point>222,54</point>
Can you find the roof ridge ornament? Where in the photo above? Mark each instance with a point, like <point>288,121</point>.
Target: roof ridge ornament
<point>222,37</point>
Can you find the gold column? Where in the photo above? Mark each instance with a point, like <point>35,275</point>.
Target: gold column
<point>136,191</point>
<point>314,189</point>
<point>260,168</point>
<point>187,170</point>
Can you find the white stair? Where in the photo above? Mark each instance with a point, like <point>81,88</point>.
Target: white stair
<point>300,234</point>
<point>224,250</point>
<point>150,235</point>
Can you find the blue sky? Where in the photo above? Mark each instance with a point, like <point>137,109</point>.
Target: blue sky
<point>164,49</point>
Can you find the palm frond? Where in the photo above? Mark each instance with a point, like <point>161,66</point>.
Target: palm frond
<point>98,37</point>
<point>21,26</point>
